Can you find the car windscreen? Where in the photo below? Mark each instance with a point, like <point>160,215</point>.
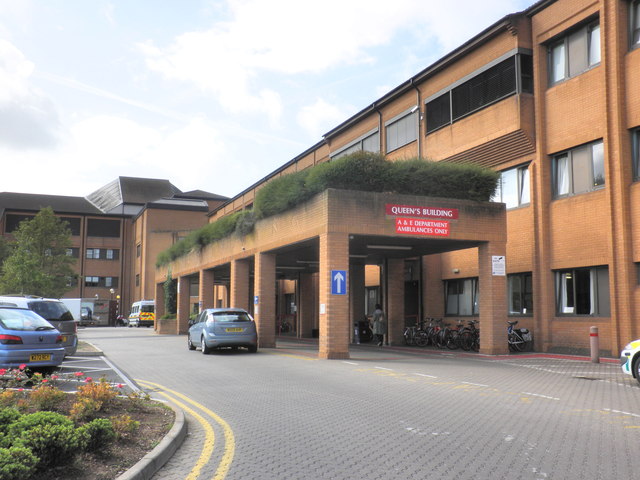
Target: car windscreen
<point>56,311</point>
<point>23,320</point>
<point>231,317</point>
<point>147,308</point>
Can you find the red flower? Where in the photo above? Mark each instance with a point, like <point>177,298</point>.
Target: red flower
<point>78,374</point>
<point>120,385</point>
<point>3,371</point>
<point>88,379</point>
<point>22,366</point>
<point>54,377</point>
<point>44,380</point>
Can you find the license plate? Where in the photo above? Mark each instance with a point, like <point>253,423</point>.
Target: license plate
<point>231,330</point>
<point>40,357</point>
<point>64,339</point>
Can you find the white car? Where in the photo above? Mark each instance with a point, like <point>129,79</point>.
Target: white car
<point>630,359</point>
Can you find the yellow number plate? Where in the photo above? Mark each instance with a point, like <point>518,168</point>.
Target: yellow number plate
<point>64,339</point>
<point>234,329</point>
<point>39,357</point>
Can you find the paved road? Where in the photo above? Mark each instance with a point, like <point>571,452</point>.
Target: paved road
<point>386,413</point>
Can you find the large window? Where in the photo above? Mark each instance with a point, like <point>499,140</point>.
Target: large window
<point>369,142</point>
<point>635,152</point>
<point>510,76</point>
<point>520,293</point>
<point>583,291</point>
<point>579,170</point>
<point>402,131</point>
<point>107,282</point>
<point>635,23</point>
<point>574,53</point>
<point>514,187</point>
<point>103,228</point>
<point>461,296</point>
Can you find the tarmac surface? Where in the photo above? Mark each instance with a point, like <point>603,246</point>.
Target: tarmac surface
<point>566,376</point>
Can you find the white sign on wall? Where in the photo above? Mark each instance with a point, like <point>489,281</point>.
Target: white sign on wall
<point>498,266</point>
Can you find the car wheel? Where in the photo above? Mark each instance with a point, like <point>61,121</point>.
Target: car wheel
<point>253,349</point>
<point>636,368</point>
<point>190,343</point>
<point>203,347</point>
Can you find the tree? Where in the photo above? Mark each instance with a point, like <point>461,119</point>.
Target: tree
<point>170,295</point>
<point>38,263</point>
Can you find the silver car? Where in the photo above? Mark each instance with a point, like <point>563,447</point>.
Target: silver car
<point>222,327</point>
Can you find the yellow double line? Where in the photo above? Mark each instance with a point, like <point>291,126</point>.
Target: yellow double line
<point>209,443</point>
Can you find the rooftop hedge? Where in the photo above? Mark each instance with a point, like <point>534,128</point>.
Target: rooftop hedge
<point>362,171</point>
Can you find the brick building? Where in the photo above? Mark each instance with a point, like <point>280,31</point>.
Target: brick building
<point>116,233</point>
<point>548,97</point>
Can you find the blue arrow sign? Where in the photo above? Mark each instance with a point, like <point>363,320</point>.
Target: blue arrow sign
<point>338,282</point>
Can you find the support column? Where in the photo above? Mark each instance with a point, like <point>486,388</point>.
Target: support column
<point>395,301</point>
<point>205,293</point>
<point>239,284</point>
<point>160,310</point>
<point>356,295</point>
<point>493,301</point>
<point>334,309</point>
<point>265,290</point>
<point>307,308</point>
<point>183,305</point>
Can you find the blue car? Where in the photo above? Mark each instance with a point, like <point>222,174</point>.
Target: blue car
<point>28,339</point>
<point>222,327</point>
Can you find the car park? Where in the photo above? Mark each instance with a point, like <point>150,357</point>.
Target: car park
<point>630,359</point>
<point>28,339</point>
<point>222,328</point>
<point>52,310</point>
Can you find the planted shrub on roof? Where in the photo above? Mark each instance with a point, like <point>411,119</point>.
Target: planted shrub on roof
<point>364,171</point>
<point>282,193</point>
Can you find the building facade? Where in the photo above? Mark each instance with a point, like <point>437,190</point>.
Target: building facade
<point>548,97</point>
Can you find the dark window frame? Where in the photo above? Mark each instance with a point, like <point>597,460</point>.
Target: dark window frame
<point>523,304</point>
<point>569,52</point>
<point>572,158</point>
<point>573,288</point>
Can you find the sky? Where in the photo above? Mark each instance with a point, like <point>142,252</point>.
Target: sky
<point>210,94</point>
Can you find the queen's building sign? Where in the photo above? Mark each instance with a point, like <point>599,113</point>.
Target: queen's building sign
<point>426,220</point>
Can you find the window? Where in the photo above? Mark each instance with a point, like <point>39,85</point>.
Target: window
<point>103,228</point>
<point>508,77</point>
<point>13,222</point>
<point>138,250</point>
<point>579,170</point>
<point>369,142</point>
<point>635,23</point>
<point>520,287</point>
<point>102,253</point>
<point>583,291</point>
<point>461,296</point>
<point>107,282</point>
<point>73,252</point>
<point>574,53</point>
<point>73,223</point>
<point>402,131</point>
<point>137,279</point>
<point>635,152</point>
<point>514,187</point>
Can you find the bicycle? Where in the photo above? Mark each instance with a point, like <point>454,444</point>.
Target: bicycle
<point>469,338</point>
<point>517,338</point>
<point>453,338</point>
<point>415,335</point>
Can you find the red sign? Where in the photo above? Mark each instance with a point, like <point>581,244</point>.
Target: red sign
<point>424,212</point>
<point>415,226</point>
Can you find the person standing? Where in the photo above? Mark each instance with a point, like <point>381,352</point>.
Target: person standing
<point>379,324</point>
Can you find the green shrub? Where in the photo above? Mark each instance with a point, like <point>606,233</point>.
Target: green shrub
<point>8,416</point>
<point>281,194</point>
<point>363,171</point>
<point>32,420</point>
<point>17,463</point>
<point>95,435</point>
<point>47,397</point>
<point>124,425</point>
<point>52,444</point>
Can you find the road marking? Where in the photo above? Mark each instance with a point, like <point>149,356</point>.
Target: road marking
<point>209,442</point>
<point>425,375</point>
<point>540,396</point>
<point>229,439</point>
<point>382,368</point>
<point>351,363</point>
<point>475,384</point>
<point>621,412</point>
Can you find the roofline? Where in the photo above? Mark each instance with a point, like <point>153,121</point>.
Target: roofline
<point>270,175</point>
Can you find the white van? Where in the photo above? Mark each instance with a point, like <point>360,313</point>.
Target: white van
<point>143,313</point>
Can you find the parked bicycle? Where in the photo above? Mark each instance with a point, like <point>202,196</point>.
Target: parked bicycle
<point>469,338</point>
<point>416,335</point>
<point>519,339</point>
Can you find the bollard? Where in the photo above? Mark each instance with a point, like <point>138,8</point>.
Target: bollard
<point>356,334</point>
<point>595,345</point>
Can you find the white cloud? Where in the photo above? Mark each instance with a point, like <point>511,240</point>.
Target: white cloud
<point>320,117</point>
<point>28,119</point>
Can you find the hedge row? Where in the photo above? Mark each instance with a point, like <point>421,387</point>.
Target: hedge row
<point>362,171</point>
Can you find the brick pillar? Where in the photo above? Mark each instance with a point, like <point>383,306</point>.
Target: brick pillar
<point>205,292</point>
<point>394,307</point>
<point>159,299</point>
<point>239,297</point>
<point>265,290</point>
<point>307,308</point>
<point>183,305</point>
<point>493,301</point>
<point>334,309</point>
<point>356,295</point>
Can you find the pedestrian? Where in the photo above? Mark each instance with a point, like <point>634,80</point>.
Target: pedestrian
<point>379,324</point>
